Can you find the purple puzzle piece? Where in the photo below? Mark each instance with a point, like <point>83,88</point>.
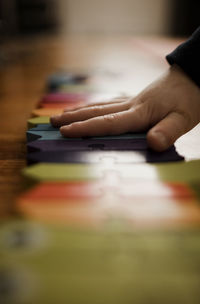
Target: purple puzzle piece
<point>88,145</point>
<point>91,157</point>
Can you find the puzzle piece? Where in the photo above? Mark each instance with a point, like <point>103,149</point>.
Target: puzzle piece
<point>61,105</point>
<point>87,145</point>
<point>55,135</point>
<point>92,157</point>
<point>64,190</point>
<point>96,189</point>
<point>76,98</point>
<point>58,79</point>
<point>86,260</point>
<point>53,141</point>
<point>89,157</point>
<point>33,122</point>
<point>64,172</point>
<point>46,112</point>
<point>79,202</point>
<point>158,189</point>
<point>182,172</point>
<point>64,97</point>
<point>81,89</point>
<point>59,149</point>
<point>42,127</point>
<point>90,203</point>
<point>195,186</point>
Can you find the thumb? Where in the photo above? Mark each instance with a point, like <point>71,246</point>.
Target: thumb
<point>167,131</point>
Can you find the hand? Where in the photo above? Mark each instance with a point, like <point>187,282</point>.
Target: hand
<point>166,109</point>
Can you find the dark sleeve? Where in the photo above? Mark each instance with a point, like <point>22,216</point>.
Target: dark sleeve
<point>187,56</point>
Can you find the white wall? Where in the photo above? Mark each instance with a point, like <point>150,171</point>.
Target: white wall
<point>114,16</point>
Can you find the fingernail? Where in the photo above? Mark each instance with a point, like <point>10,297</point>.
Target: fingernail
<point>55,117</point>
<point>65,128</point>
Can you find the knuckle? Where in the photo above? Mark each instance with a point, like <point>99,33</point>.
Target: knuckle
<point>139,114</point>
<point>186,120</point>
<point>109,119</point>
<point>96,110</point>
<point>109,122</point>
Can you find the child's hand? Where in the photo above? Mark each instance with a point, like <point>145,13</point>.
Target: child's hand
<point>167,108</point>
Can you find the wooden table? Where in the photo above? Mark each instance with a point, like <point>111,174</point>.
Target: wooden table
<point>25,66</point>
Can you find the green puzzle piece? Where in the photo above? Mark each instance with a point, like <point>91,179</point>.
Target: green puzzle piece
<point>185,172</point>
<point>62,172</point>
<point>55,264</point>
<point>33,122</point>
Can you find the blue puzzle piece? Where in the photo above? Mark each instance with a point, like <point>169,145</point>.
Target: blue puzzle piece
<point>55,81</point>
<point>43,127</point>
<point>55,135</point>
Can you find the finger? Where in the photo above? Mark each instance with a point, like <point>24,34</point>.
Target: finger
<point>165,133</point>
<point>112,101</point>
<point>111,124</point>
<point>87,113</point>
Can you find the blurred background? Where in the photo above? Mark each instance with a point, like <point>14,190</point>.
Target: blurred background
<point>141,17</point>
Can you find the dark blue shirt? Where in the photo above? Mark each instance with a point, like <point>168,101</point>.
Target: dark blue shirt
<point>187,56</point>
